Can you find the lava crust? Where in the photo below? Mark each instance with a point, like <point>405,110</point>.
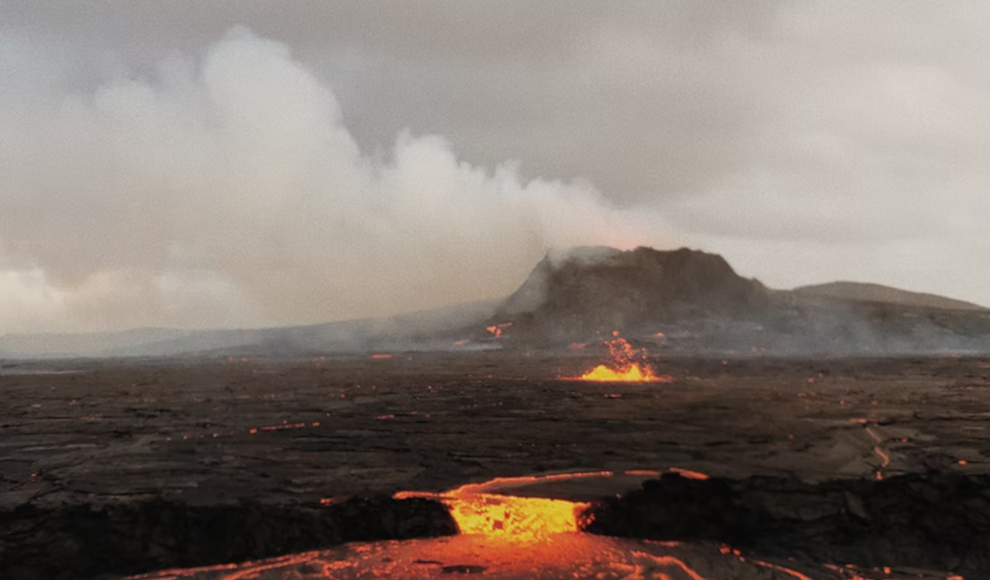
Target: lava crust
<point>933,520</point>
<point>82,541</point>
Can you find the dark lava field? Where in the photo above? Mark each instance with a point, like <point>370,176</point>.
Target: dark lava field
<point>307,433</point>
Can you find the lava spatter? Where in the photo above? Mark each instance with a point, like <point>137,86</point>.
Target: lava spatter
<point>626,365</point>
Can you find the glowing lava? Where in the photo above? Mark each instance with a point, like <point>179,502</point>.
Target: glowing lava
<point>519,519</point>
<point>510,518</point>
<point>624,366</point>
<point>634,374</point>
<point>496,329</point>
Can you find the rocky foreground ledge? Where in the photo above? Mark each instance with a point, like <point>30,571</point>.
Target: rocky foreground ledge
<point>935,521</point>
<point>124,539</point>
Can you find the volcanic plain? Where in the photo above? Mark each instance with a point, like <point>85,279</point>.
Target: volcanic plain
<point>213,431</point>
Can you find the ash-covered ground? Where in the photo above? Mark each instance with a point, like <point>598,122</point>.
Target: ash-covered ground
<point>284,434</point>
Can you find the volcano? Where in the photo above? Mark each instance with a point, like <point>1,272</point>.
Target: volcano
<point>597,290</point>
<point>695,301</point>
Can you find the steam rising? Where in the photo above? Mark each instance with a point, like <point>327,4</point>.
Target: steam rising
<point>228,191</point>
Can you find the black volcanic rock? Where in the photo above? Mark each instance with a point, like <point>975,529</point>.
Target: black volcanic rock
<point>597,290</point>
<point>84,541</point>
<point>934,520</point>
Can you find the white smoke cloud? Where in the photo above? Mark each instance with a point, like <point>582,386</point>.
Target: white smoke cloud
<point>227,191</point>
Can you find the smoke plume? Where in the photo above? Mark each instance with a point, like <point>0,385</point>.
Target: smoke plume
<point>226,190</point>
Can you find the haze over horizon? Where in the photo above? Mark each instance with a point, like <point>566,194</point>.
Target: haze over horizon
<point>244,164</point>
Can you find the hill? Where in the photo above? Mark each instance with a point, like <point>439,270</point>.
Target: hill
<point>594,290</point>
<point>864,292</point>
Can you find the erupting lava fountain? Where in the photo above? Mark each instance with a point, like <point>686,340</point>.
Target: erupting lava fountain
<point>624,366</point>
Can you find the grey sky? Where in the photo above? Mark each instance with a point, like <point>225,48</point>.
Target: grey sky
<point>250,162</point>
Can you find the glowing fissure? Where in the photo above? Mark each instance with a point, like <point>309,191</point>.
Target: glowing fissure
<point>689,474</point>
<point>877,449</point>
<point>780,568</point>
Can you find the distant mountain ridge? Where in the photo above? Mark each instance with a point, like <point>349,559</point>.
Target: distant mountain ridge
<point>414,331</point>
<point>86,343</point>
<point>866,292</point>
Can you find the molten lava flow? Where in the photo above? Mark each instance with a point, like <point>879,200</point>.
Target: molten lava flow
<point>689,474</point>
<point>624,367</point>
<point>780,568</point>
<point>519,519</point>
<point>510,518</point>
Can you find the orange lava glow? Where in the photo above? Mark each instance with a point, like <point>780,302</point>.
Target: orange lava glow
<point>671,561</point>
<point>689,474</point>
<point>496,329</point>
<point>788,571</point>
<point>643,472</point>
<point>884,458</point>
<point>566,556</point>
<point>519,519</point>
<point>477,511</point>
<point>624,366</point>
<point>381,356</point>
<point>874,435</point>
<point>634,373</point>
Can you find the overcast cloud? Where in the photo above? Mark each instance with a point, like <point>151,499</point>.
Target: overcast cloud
<point>245,163</point>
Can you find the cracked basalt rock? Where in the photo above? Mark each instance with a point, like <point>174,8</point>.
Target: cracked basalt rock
<point>83,541</point>
<point>933,520</point>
